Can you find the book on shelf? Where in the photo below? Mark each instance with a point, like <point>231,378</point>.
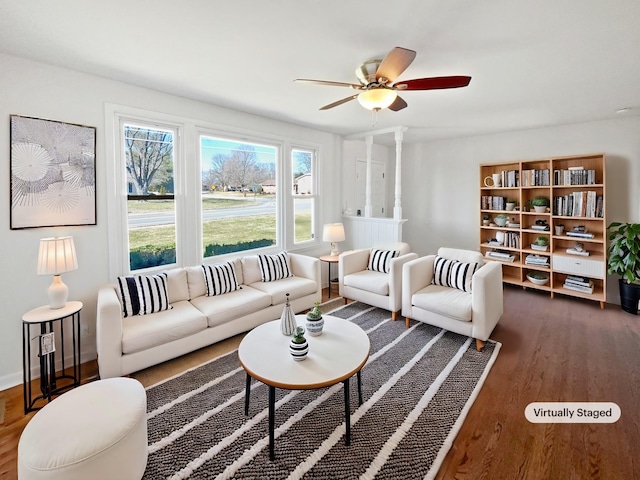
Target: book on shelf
<point>577,279</point>
<point>577,287</point>
<point>535,259</point>
<point>571,233</point>
<point>573,251</point>
<point>499,255</point>
<point>494,243</point>
<point>541,228</point>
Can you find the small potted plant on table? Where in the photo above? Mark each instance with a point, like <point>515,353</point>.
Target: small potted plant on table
<point>315,323</point>
<point>298,347</point>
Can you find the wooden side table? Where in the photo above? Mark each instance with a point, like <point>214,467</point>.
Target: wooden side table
<point>330,259</point>
<point>47,318</point>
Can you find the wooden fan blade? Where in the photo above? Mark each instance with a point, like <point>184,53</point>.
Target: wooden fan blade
<point>339,102</point>
<point>433,83</point>
<point>330,83</point>
<point>398,104</point>
<point>396,62</point>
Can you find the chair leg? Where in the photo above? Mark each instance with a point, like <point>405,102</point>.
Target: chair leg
<point>394,316</point>
<point>479,345</point>
<point>407,321</point>
<point>345,300</point>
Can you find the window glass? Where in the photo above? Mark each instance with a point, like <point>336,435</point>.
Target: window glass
<point>239,195</point>
<point>303,194</point>
<point>149,164</point>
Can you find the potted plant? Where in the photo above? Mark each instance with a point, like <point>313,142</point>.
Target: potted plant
<point>540,204</point>
<point>540,243</point>
<point>315,323</point>
<point>485,220</point>
<point>511,205</point>
<point>298,347</point>
<point>624,259</point>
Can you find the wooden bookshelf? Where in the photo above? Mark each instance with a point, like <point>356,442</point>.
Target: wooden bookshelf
<point>575,187</point>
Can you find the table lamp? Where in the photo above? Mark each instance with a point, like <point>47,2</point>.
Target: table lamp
<point>334,233</point>
<point>57,255</point>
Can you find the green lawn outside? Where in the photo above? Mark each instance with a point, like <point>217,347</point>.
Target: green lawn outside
<point>224,231</point>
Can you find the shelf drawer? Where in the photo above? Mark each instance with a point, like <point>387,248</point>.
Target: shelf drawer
<point>578,266</point>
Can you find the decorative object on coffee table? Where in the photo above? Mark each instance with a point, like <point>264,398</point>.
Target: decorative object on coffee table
<point>288,319</point>
<point>315,321</point>
<point>299,347</point>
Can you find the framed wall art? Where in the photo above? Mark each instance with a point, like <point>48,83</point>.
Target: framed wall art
<point>53,173</point>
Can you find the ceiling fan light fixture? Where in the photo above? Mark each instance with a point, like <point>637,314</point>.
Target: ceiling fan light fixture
<point>377,98</point>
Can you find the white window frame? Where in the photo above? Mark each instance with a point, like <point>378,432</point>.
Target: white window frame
<point>188,185</point>
<point>315,195</point>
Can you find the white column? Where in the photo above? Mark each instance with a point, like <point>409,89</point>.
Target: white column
<point>397,208</point>
<point>368,207</point>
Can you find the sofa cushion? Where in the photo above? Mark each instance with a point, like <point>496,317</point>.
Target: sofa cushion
<point>226,308</point>
<point>380,260</point>
<point>296,287</point>
<point>274,267</point>
<point>453,274</point>
<point>369,281</point>
<point>450,302</point>
<point>220,279</point>
<point>143,294</point>
<point>177,285</point>
<point>144,332</point>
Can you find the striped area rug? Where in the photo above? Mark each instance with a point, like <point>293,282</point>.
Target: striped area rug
<point>417,386</point>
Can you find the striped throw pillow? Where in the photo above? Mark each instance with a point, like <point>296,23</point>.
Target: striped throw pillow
<point>380,260</point>
<point>220,278</point>
<point>274,267</point>
<point>143,294</point>
<point>453,274</point>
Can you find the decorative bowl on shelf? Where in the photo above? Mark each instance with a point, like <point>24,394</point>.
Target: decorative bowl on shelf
<point>501,220</point>
<point>538,278</point>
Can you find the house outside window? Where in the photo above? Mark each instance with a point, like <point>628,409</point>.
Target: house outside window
<point>304,194</point>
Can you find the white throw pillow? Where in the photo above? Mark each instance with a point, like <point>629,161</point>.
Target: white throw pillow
<point>220,278</point>
<point>453,274</point>
<point>380,260</point>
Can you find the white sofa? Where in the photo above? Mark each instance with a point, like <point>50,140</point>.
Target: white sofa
<point>129,344</point>
<point>375,288</point>
<point>474,314</point>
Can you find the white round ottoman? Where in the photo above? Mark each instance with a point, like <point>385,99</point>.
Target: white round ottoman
<point>95,431</point>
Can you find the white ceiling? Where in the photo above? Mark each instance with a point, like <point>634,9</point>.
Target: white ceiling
<point>532,63</point>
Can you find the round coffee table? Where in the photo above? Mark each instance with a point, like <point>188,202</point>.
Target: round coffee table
<point>335,356</point>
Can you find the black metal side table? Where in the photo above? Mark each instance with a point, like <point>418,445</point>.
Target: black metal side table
<point>47,318</point>
<point>331,259</point>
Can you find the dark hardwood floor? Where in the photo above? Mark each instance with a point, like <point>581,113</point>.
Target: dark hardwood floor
<point>561,349</point>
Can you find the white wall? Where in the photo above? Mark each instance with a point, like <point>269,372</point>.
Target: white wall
<point>440,178</point>
<point>42,91</point>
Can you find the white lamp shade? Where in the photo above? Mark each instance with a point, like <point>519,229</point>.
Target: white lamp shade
<point>57,255</point>
<point>333,232</point>
<point>377,98</point>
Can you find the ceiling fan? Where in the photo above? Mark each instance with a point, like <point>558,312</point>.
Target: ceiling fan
<point>377,90</point>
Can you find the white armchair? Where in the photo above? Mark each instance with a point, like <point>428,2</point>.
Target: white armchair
<point>383,290</point>
<point>473,313</point>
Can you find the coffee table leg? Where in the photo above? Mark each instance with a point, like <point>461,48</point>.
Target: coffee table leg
<point>272,414</point>
<point>347,411</point>
<point>247,392</point>
<point>359,388</point>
